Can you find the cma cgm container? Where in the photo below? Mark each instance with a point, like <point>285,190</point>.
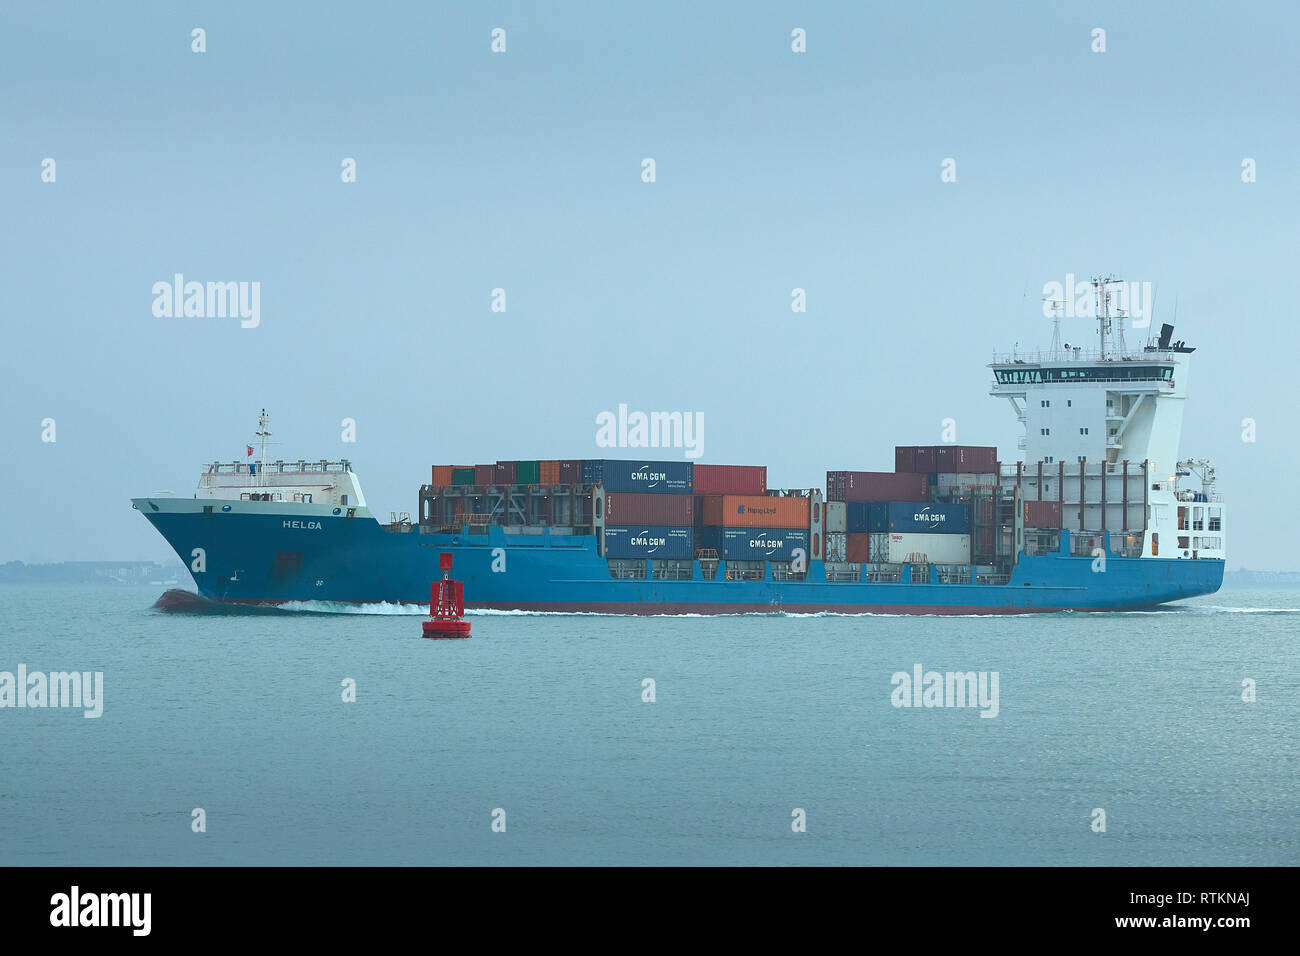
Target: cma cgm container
<point>914,517</point>
<point>876,486</point>
<point>730,479</point>
<point>1042,514</point>
<point>649,541</point>
<point>629,508</point>
<point>754,544</point>
<point>653,477</point>
<point>866,517</point>
<point>937,548</point>
<point>754,511</point>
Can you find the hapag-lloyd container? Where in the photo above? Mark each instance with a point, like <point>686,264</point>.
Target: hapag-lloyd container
<point>918,517</point>
<point>754,511</point>
<point>649,541</point>
<point>730,479</point>
<point>877,486</point>
<point>640,475</point>
<point>934,548</point>
<point>754,544</point>
<point>630,507</point>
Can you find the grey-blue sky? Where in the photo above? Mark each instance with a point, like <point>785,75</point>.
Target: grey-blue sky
<point>522,171</point>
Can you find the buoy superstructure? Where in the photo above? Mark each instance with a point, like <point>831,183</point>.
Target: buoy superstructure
<point>446,605</point>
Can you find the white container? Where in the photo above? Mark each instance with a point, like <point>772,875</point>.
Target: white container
<point>937,548</point>
<point>836,516</point>
<point>878,548</point>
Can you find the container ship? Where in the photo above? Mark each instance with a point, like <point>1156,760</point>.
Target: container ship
<point>1098,513</point>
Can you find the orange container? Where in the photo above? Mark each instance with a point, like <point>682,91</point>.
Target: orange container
<point>549,472</point>
<point>754,511</point>
<point>441,475</point>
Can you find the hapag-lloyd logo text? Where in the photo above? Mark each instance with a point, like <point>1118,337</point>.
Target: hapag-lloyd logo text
<point>212,300</point>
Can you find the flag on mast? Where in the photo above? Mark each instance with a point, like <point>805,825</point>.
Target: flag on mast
<point>250,451</point>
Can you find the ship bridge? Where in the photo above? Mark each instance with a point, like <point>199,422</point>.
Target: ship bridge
<point>1098,405</point>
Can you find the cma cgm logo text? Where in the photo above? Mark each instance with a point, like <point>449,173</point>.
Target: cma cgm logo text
<point>644,540</point>
<point>771,544</point>
<point>303,525</point>
<point>645,474</point>
<point>929,517</point>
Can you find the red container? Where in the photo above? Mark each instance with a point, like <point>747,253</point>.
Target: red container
<point>441,476</point>
<point>877,486</point>
<point>984,541</point>
<point>628,508</point>
<point>485,475</point>
<point>977,459</point>
<point>754,511</point>
<point>1042,514</point>
<point>986,511</point>
<point>571,471</point>
<point>926,459</point>
<point>858,548</point>
<point>732,480</point>
<point>905,458</point>
<point>506,472</point>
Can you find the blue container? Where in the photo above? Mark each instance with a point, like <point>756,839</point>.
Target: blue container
<point>640,475</point>
<point>906,517</point>
<point>866,517</point>
<point>753,544</point>
<point>653,541</point>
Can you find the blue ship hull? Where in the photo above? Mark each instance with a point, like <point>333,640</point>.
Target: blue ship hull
<point>274,556</point>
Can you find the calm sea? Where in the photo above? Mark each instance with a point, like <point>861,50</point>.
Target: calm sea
<point>540,721</point>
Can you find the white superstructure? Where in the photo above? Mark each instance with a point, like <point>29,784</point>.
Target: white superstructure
<point>302,482</point>
<point>1102,431</point>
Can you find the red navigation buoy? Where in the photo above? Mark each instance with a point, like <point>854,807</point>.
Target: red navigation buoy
<point>446,605</point>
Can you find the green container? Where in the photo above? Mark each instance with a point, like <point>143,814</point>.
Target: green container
<point>529,473</point>
<point>462,476</point>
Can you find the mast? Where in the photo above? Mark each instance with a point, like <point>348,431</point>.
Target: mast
<point>1102,285</point>
<point>263,433</point>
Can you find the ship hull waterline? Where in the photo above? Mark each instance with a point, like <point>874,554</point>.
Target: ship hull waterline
<point>265,554</point>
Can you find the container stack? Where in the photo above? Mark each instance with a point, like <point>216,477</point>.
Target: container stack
<point>753,527</point>
<point>649,507</point>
